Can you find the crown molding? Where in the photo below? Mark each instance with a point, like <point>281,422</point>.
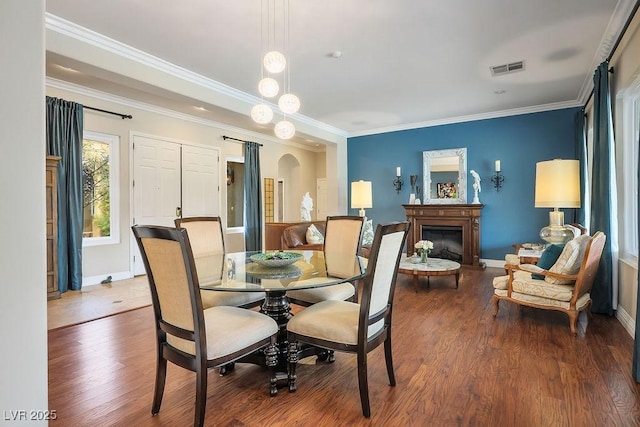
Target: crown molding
<point>470,118</point>
<point>107,97</point>
<point>621,13</point>
<point>85,35</point>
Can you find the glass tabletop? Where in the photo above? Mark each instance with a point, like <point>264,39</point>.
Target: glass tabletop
<point>236,272</point>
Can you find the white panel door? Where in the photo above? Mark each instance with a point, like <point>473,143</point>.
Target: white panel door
<point>200,181</point>
<point>156,186</point>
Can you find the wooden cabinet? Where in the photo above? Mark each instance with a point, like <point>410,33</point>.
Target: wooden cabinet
<point>464,216</point>
<point>52,226</point>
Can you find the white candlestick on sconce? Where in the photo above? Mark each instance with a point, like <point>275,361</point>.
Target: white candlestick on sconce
<point>497,165</point>
<point>398,171</point>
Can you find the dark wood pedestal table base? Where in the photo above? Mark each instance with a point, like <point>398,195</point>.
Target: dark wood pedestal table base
<point>433,267</point>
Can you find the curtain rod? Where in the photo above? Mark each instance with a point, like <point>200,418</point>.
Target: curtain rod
<point>225,137</point>
<point>615,45</point>
<point>123,116</point>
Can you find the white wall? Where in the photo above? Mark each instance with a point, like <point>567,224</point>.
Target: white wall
<point>23,309</point>
<point>101,261</point>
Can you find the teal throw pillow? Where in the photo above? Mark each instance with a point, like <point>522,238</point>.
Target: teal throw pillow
<point>549,257</point>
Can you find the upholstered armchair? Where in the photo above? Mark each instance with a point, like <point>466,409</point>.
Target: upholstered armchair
<point>565,287</point>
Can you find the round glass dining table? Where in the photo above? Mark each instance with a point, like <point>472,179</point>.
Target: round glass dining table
<point>236,272</point>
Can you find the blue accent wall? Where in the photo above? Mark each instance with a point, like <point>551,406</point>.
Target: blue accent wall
<point>519,142</point>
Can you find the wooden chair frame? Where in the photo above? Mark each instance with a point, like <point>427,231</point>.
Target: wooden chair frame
<point>181,222</point>
<point>198,363</point>
<point>355,256</point>
<point>365,344</point>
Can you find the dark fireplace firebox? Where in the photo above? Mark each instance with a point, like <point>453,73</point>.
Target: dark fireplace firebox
<point>447,241</point>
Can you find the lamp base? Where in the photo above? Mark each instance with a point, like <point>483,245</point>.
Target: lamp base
<point>556,232</point>
<point>361,212</point>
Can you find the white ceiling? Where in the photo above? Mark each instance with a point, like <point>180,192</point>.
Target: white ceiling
<point>404,64</point>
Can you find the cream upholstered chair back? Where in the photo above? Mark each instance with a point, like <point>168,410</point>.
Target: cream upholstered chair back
<point>342,244</point>
<point>205,234</point>
<point>382,269</point>
<point>174,288</point>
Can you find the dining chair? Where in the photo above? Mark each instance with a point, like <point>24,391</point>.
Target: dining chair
<point>343,236</point>
<point>186,334</point>
<point>351,327</point>
<point>207,238</point>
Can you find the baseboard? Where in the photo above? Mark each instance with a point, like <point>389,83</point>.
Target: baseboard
<point>498,263</point>
<point>627,321</point>
<point>95,280</point>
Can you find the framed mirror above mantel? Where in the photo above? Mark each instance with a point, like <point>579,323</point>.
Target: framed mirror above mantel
<point>444,176</point>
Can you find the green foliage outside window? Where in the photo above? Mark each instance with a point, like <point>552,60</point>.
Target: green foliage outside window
<point>95,188</point>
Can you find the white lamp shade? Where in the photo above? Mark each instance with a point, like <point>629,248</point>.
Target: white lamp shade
<point>361,195</point>
<point>558,184</point>
<point>284,129</point>
<point>274,61</point>
<point>261,113</point>
<point>268,87</point>
<point>289,103</point>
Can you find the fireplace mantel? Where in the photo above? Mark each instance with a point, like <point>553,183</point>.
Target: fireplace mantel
<point>454,215</point>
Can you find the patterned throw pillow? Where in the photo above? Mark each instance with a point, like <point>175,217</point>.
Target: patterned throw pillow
<point>314,237</point>
<point>570,260</point>
<point>367,233</point>
<point>548,258</point>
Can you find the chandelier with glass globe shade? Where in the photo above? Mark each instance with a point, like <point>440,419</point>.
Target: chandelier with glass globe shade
<point>274,62</point>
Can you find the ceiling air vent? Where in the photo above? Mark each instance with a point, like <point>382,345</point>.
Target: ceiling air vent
<point>498,70</point>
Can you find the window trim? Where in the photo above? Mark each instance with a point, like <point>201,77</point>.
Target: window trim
<point>631,129</point>
<point>233,230</point>
<point>114,188</point>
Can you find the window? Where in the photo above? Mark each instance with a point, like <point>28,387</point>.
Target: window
<point>235,193</point>
<point>631,124</point>
<point>100,189</point>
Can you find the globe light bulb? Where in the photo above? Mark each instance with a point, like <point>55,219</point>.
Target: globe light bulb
<point>284,129</point>
<point>261,113</point>
<point>274,61</point>
<point>268,87</point>
<point>289,103</point>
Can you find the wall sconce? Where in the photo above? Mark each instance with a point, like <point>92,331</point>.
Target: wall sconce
<point>397,183</point>
<point>497,179</point>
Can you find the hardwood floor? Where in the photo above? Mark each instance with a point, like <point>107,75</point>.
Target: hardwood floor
<point>455,366</point>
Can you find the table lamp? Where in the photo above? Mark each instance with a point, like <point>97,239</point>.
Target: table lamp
<point>557,186</point>
<point>361,197</point>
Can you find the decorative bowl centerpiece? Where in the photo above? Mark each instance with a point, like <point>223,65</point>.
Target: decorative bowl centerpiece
<point>275,259</point>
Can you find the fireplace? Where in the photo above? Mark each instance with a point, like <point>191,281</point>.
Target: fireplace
<point>455,228</point>
<point>447,241</point>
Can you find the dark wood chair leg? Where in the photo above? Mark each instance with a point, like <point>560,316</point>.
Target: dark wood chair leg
<point>389,359</point>
<point>292,358</point>
<point>161,376</point>
<point>201,395</point>
<point>363,383</point>
<point>271,359</point>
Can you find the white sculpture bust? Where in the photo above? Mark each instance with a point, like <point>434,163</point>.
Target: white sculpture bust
<point>476,186</point>
<point>306,206</point>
